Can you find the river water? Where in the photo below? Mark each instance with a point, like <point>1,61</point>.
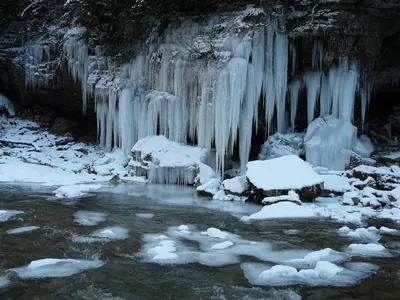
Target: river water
<point>152,209</point>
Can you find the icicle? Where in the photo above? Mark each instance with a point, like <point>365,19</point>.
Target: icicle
<point>280,74</point>
<point>365,95</point>
<point>268,88</point>
<point>313,83</point>
<point>294,89</point>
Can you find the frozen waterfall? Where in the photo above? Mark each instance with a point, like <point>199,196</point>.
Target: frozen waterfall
<point>199,84</point>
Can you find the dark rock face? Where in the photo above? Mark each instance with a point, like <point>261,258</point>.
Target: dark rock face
<point>366,29</point>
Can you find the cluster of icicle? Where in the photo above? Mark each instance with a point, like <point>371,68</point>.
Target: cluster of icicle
<point>165,91</point>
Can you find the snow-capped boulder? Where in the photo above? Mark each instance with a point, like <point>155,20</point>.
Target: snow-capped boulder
<point>210,188</point>
<point>165,161</point>
<point>327,140</point>
<point>236,186</point>
<point>204,174</point>
<point>276,177</point>
<point>280,144</point>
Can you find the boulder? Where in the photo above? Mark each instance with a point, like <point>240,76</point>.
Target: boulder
<point>278,145</point>
<point>276,177</point>
<point>165,161</point>
<point>236,186</point>
<point>335,184</point>
<point>210,188</point>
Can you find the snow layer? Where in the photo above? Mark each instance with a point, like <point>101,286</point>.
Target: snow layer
<point>291,197</point>
<point>53,160</point>
<point>50,267</point>
<point>6,214</point>
<point>284,173</point>
<point>22,230</point>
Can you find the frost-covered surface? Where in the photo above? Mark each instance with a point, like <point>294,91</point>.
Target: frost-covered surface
<point>22,230</point>
<point>89,218</point>
<point>51,267</point>
<point>328,141</point>
<point>7,214</point>
<point>74,191</point>
<point>284,173</point>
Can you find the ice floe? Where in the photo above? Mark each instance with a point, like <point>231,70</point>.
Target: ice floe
<point>7,214</point>
<point>74,191</point>
<point>145,215</point>
<point>222,246</point>
<point>51,267</point>
<point>368,250</point>
<point>104,235</point>
<point>22,229</point>
<point>89,218</point>
<point>282,210</point>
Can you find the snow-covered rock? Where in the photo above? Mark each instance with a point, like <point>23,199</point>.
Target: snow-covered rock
<point>221,195</point>
<point>368,250</point>
<point>363,146</point>
<point>278,176</point>
<point>165,161</point>
<point>210,188</point>
<point>278,145</point>
<point>235,186</point>
<point>204,174</point>
<point>6,106</point>
<point>385,178</point>
<point>113,163</point>
<point>327,140</point>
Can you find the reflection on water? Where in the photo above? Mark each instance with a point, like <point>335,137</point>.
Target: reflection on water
<point>124,274</point>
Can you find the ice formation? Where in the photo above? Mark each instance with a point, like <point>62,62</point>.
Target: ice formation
<point>192,88</point>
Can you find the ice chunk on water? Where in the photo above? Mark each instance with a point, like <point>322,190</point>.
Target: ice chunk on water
<point>145,216</point>
<point>216,233</point>
<point>51,267</point>
<point>368,250</point>
<point>387,230</point>
<point>74,191</point>
<point>364,234</point>
<point>89,218</point>
<point>283,210</point>
<point>22,229</point>
<point>222,246</point>
<point>327,269</point>
<point>183,228</point>
<point>4,281</point>
<point>312,259</point>
<point>6,214</point>
<point>115,233</point>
